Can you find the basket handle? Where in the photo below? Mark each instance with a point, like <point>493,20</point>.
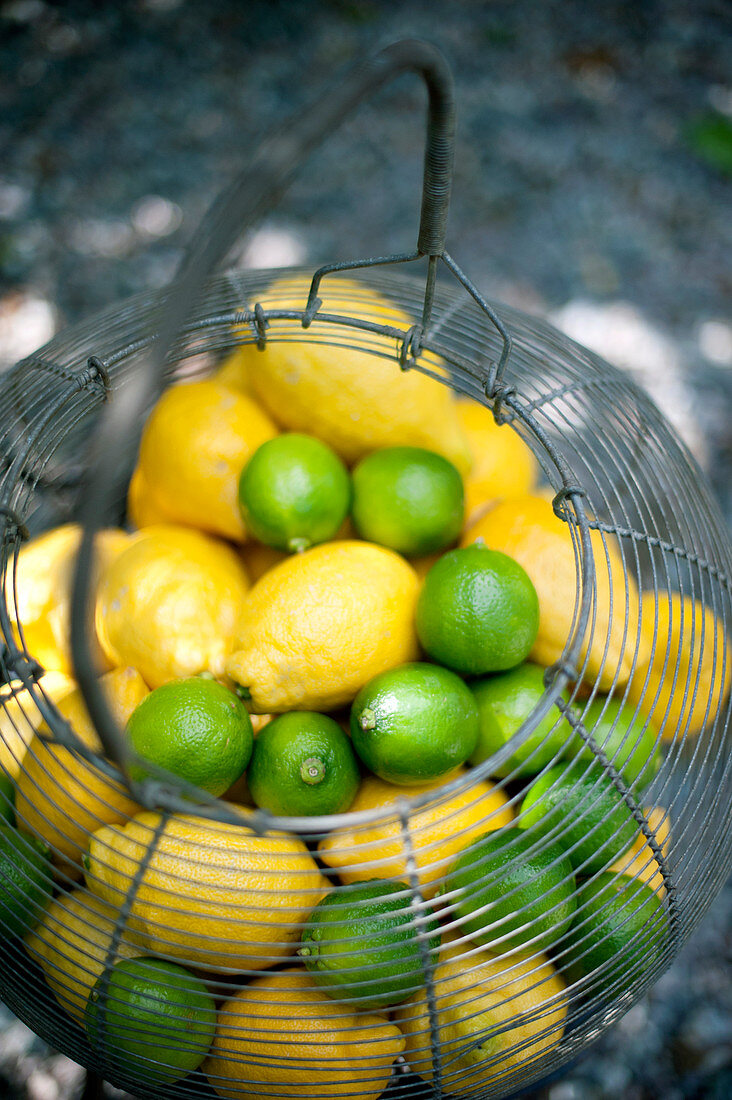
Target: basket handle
<point>251,195</point>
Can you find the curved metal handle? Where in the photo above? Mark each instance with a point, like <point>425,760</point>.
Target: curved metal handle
<point>259,187</point>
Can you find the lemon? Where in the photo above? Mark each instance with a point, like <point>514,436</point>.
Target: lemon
<point>213,895</point>
<point>62,797</point>
<point>281,1036</point>
<point>361,944</point>
<point>316,627</point>
<point>527,529</point>
<point>39,597</point>
<point>640,861</point>
<point>437,831</point>
<point>195,728</point>
<point>496,1015</point>
<point>193,447</point>
<point>409,499</point>
<point>478,611</point>
<point>503,464</point>
<point>414,723</point>
<point>143,509</point>
<point>294,492</point>
<point>355,401</point>
<point>20,716</point>
<point>152,1019</point>
<point>72,944</point>
<point>170,603</point>
<point>685,679</point>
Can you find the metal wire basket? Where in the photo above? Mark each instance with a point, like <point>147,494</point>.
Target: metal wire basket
<point>178,883</point>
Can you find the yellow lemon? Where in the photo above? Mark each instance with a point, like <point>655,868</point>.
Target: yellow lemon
<point>72,943</point>
<point>194,446</point>
<point>527,529</point>
<point>212,895</point>
<point>639,860</point>
<point>62,797</point>
<point>41,600</point>
<point>314,381</point>
<point>170,603</point>
<point>437,832</point>
<point>317,626</point>
<point>143,509</point>
<point>20,717</point>
<point>503,464</point>
<point>280,1036</point>
<point>495,1015</point>
<point>685,678</point>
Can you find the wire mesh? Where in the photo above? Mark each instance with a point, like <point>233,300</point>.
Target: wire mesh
<point>177,942</point>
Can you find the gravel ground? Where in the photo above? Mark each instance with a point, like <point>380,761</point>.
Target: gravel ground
<point>591,186</point>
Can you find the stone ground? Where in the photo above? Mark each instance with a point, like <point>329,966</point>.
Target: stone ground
<point>591,186</point>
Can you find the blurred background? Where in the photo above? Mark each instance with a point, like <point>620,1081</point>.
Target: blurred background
<point>592,187</point>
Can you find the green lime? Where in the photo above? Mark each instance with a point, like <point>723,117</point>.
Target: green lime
<point>478,611</point>
<point>294,492</point>
<point>303,764</point>
<point>195,728</point>
<point>578,808</point>
<point>505,702</point>
<point>626,737</point>
<point>26,882</point>
<point>619,933</point>
<point>409,499</point>
<point>7,799</point>
<point>414,723</point>
<point>154,1021</point>
<point>361,943</point>
<point>511,890</point>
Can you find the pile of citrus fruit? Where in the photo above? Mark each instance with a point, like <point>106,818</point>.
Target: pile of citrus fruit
<point>338,594</point>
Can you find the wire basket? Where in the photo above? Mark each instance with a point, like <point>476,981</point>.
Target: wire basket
<point>486,1003</point>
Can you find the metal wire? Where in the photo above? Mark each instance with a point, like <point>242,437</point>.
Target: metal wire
<point>639,518</point>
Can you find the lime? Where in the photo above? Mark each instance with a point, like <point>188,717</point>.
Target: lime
<point>303,763</point>
<point>505,702</point>
<point>626,737</point>
<point>294,492</point>
<point>511,890</point>
<point>408,499</point>
<point>153,1019</point>
<point>478,611</point>
<point>196,729</point>
<point>26,884</point>
<point>414,723</point>
<point>578,808</point>
<point>618,934</point>
<point>361,943</point>
<point>7,799</point>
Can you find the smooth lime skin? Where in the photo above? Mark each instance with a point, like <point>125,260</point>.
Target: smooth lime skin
<point>505,701</point>
<point>294,492</point>
<point>583,812</point>
<point>7,800</point>
<point>620,930</point>
<point>196,729</point>
<point>409,499</point>
<point>26,880</point>
<point>303,764</point>
<point>478,611</point>
<point>158,1019</point>
<point>626,737</point>
<point>511,890</point>
<point>361,945</point>
<point>414,723</point>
